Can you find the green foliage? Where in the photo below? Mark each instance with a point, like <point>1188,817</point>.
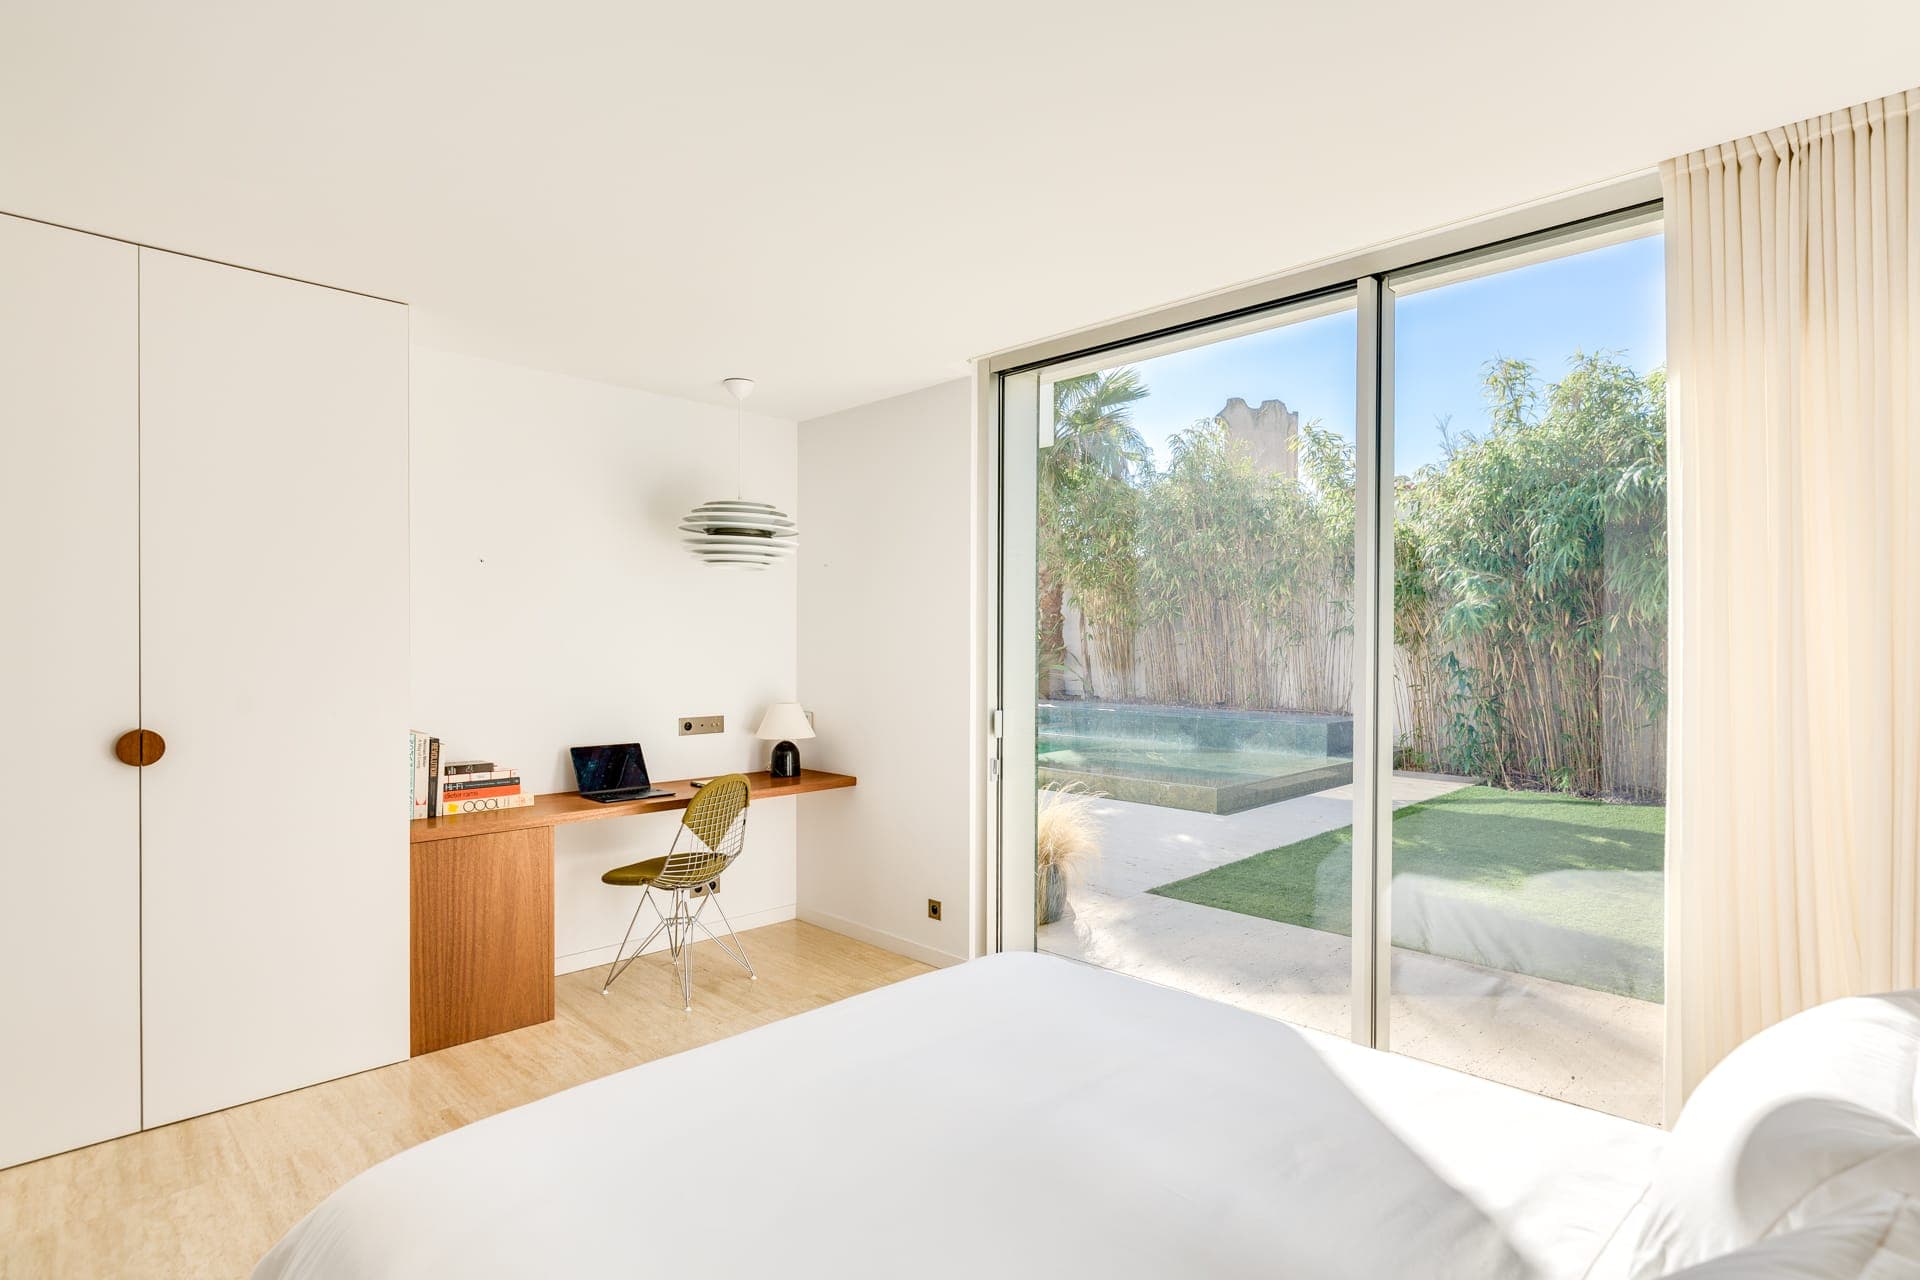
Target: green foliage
<point>1093,424</point>
<point>1538,568</point>
<point>1529,573</point>
<point>1086,505</point>
<point>1227,565</point>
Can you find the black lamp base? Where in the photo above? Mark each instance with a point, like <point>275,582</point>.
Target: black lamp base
<point>785,762</point>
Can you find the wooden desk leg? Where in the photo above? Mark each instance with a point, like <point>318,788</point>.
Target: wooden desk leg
<point>482,954</point>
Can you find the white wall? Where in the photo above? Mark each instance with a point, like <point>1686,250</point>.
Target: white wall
<point>553,606</point>
<point>887,663</point>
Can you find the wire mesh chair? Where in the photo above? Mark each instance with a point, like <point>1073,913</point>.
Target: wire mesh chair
<point>714,828</point>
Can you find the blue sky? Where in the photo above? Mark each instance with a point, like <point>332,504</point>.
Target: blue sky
<point>1609,298</point>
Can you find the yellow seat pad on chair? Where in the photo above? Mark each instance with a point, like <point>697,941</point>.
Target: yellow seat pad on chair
<point>635,873</point>
<point>640,873</point>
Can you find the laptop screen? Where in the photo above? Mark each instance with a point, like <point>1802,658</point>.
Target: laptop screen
<point>613,768</point>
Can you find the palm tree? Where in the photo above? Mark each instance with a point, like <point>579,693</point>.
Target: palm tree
<point>1092,432</point>
<point>1093,423</point>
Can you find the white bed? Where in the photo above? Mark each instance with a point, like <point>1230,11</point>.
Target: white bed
<point>1020,1115</point>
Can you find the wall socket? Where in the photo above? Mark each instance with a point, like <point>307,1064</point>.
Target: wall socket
<point>702,724</point>
<point>933,908</point>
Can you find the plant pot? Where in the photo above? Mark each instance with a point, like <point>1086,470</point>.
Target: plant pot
<point>1049,896</point>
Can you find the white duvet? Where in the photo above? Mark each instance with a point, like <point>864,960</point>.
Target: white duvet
<point>1019,1115</point>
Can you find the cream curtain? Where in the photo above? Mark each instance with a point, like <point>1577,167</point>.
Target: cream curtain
<point>1793,287</point>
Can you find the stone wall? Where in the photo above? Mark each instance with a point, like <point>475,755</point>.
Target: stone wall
<point>1268,432</point>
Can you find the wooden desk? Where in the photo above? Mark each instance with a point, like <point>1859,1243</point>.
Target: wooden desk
<point>482,950</point>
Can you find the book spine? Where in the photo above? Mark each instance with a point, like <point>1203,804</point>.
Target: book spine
<point>417,761</point>
<point>493,779</point>
<point>454,795</point>
<point>433,778</point>
<point>461,767</point>
<point>473,782</point>
<point>489,805</point>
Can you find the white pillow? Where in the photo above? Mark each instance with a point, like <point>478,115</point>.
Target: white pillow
<point>1813,1115</point>
<point>1878,1240</point>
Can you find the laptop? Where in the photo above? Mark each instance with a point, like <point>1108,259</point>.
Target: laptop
<point>614,773</point>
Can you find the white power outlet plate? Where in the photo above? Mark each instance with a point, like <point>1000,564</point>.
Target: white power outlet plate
<point>702,724</point>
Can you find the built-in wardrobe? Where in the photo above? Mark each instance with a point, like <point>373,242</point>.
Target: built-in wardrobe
<point>203,686</point>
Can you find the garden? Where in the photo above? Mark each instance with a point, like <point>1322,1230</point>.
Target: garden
<point>1529,624</point>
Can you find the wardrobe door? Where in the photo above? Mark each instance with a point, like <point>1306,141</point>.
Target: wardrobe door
<point>69,687</point>
<point>274,661</point>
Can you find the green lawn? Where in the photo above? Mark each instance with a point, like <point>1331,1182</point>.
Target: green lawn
<point>1524,881</point>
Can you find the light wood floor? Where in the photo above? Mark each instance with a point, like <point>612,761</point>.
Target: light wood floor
<point>207,1196</point>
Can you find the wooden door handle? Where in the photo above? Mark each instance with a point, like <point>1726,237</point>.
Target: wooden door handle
<point>140,747</point>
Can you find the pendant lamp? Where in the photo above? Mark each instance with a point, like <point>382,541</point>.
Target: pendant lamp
<point>733,531</point>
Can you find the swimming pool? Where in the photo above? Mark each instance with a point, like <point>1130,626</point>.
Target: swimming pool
<point>1206,760</point>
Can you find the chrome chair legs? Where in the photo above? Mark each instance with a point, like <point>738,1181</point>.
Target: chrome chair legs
<point>679,925</point>
<point>730,944</point>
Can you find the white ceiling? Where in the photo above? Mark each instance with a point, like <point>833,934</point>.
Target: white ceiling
<point>850,198</point>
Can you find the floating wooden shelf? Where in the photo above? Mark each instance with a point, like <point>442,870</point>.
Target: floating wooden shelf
<point>561,807</point>
<point>482,951</point>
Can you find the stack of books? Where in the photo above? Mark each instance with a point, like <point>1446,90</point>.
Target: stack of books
<point>444,788</point>
<point>475,786</point>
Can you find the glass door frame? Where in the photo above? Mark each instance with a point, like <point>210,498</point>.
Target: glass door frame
<point>1010,426</point>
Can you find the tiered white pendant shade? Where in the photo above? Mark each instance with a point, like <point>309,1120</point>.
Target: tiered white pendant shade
<point>732,531</point>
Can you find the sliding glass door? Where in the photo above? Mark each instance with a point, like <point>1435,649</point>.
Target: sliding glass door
<point>1332,661</point>
<point>1193,508</point>
<point>1529,627</point>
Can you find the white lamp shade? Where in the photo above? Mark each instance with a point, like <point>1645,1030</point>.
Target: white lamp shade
<point>784,722</point>
<point>748,535</point>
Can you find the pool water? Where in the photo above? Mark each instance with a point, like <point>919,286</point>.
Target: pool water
<point>1201,765</point>
<point>1190,758</point>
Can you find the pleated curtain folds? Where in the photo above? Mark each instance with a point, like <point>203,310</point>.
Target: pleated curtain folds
<point>1793,286</point>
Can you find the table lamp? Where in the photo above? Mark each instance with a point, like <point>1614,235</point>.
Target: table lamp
<point>784,722</point>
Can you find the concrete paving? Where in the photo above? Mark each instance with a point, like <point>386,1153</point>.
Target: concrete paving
<point>1588,1047</point>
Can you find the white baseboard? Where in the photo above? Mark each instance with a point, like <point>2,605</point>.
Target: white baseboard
<point>574,961</point>
<point>880,938</point>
